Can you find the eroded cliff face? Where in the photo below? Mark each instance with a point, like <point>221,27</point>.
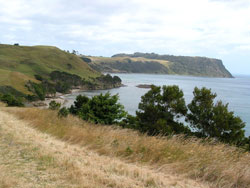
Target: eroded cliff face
<point>161,64</point>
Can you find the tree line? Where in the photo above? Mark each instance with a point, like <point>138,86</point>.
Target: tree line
<point>163,111</point>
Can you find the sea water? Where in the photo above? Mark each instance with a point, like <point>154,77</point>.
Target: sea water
<point>235,91</point>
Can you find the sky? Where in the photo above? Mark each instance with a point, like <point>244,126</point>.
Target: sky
<point>212,28</point>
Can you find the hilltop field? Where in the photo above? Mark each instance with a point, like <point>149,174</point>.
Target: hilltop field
<point>38,149</point>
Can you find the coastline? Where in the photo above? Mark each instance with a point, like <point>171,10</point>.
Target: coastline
<point>59,98</point>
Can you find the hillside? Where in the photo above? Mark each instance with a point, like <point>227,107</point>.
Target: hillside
<point>159,64</point>
<point>30,158</point>
<point>68,152</point>
<point>18,64</point>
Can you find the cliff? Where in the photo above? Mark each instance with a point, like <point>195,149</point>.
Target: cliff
<point>159,64</point>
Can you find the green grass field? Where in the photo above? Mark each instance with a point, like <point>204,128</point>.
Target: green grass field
<point>18,64</point>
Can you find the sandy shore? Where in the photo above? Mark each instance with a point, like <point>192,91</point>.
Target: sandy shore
<point>59,98</point>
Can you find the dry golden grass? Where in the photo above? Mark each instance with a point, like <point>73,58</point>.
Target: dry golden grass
<point>15,79</point>
<point>122,59</point>
<point>218,164</point>
<point>2,104</point>
<point>36,159</point>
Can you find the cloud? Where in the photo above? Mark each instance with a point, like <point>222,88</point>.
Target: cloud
<point>103,27</point>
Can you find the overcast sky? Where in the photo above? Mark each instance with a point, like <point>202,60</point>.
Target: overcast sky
<point>212,28</point>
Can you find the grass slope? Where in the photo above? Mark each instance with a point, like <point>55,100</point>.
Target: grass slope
<point>15,79</point>
<point>214,163</point>
<point>30,158</point>
<point>20,63</point>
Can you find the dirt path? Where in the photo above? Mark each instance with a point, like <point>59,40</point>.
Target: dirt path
<point>29,158</point>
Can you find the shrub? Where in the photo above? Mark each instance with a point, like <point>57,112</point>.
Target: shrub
<point>80,106</point>
<point>130,122</point>
<point>53,105</point>
<point>37,89</point>
<point>12,91</point>
<point>39,77</point>
<point>85,59</point>
<point>103,109</point>
<point>63,112</point>
<point>11,100</point>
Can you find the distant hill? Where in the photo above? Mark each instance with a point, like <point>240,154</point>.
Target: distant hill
<point>19,64</point>
<point>159,64</point>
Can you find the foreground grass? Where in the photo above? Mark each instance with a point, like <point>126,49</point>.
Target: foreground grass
<point>2,104</point>
<point>218,164</point>
<point>31,158</point>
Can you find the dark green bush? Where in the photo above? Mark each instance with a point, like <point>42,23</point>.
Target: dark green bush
<point>103,109</point>
<point>85,59</point>
<point>37,89</point>
<point>53,105</point>
<point>160,109</point>
<point>39,77</point>
<point>12,91</point>
<point>63,112</point>
<point>11,100</point>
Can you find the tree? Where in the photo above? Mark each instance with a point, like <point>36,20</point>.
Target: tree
<point>80,106</point>
<point>63,112</point>
<point>214,120</point>
<point>103,109</point>
<point>53,105</point>
<point>226,126</point>
<point>201,110</point>
<point>11,100</point>
<point>160,112</point>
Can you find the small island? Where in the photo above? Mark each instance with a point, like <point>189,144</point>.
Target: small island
<point>145,86</point>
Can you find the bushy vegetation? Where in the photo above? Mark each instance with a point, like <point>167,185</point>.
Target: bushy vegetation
<point>161,108</point>
<point>102,109</point>
<point>12,91</point>
<point>63,112</point>
<point>63,82</point>
<point>11,100</point>
<point>67,78</point>
<point>53,105</point>
<point>38,89</point>
<point>162,111</point>
<point>11,96</point>
<point>210,119</point>
<point>87,60</point>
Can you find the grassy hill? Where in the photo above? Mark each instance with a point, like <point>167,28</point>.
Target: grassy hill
<point>66,151</point>
<point>18,64</point>
<point>130,65</point>
<point>160,64</point>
